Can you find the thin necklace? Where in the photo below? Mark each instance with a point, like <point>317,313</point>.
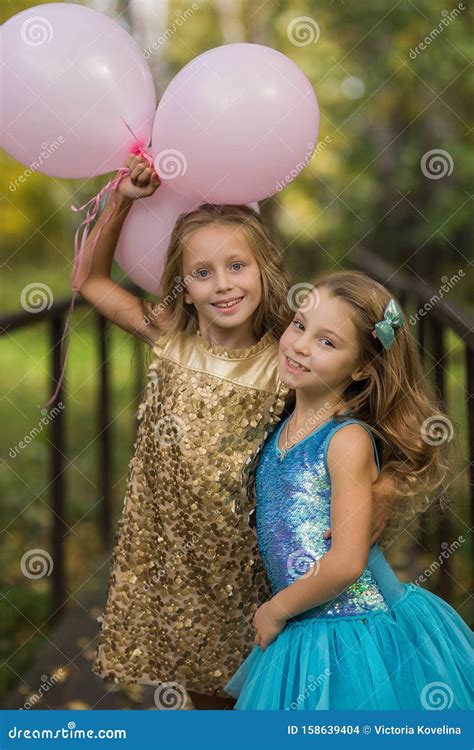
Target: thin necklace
<point>285,436</point>
<point>287,447</point>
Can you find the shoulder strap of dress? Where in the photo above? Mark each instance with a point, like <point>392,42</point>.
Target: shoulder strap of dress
<point>350,420</point>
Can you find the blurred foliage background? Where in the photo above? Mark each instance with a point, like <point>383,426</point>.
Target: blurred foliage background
<point>382,108</point>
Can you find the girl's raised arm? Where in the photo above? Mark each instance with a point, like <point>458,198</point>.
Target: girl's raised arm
<point>93,279</point>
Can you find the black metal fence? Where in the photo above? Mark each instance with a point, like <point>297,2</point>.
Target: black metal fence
<point>55,317</point>
<point>431,332</point>
<point>442,317</point>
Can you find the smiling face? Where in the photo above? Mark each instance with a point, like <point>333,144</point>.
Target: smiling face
<point>225,287</point>
<point>319,351</point>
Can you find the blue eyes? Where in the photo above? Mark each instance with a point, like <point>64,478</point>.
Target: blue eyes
<point>298,323</point>
<point>199,273</point>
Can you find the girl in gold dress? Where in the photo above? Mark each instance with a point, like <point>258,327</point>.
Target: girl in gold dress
<point>186,576</point>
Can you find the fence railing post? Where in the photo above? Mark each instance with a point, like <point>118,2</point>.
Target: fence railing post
<point>103,411</point>
<point>57,478</point>
<point>470,428</point>
<point>443,531</point>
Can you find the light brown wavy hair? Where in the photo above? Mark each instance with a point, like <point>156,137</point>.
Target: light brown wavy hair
<point>397,400</point>
<point>273,313</point>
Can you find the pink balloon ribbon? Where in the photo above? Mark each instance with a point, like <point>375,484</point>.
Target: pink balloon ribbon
<point>92,207</point>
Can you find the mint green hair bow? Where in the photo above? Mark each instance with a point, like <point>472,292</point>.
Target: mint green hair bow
<point>385,329</point>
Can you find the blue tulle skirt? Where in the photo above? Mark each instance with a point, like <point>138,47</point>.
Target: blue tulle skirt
<point>417,656</point>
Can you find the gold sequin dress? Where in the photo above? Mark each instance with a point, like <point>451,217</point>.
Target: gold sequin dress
<point>186,574</point>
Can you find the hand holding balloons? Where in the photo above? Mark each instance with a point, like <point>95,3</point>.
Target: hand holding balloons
<point>234,125</point>
<point>142,180</point>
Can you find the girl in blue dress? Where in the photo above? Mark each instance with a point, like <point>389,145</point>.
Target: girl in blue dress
<point>341,631</point>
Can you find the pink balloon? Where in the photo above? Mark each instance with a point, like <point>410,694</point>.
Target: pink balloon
<point>237,124</point>
<point>69,79</point>
<point>146,233</point>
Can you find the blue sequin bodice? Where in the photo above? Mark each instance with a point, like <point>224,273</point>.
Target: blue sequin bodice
<point>293,493</point>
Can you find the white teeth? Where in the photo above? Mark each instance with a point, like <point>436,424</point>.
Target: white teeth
<point>296,364</point>
<point>227,304</point>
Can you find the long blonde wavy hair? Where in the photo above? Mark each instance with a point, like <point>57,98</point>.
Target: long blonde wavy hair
<point>273,313</point>
<point>396,400</point>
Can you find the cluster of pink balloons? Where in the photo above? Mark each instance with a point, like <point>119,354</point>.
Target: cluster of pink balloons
<point>77,96</point>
